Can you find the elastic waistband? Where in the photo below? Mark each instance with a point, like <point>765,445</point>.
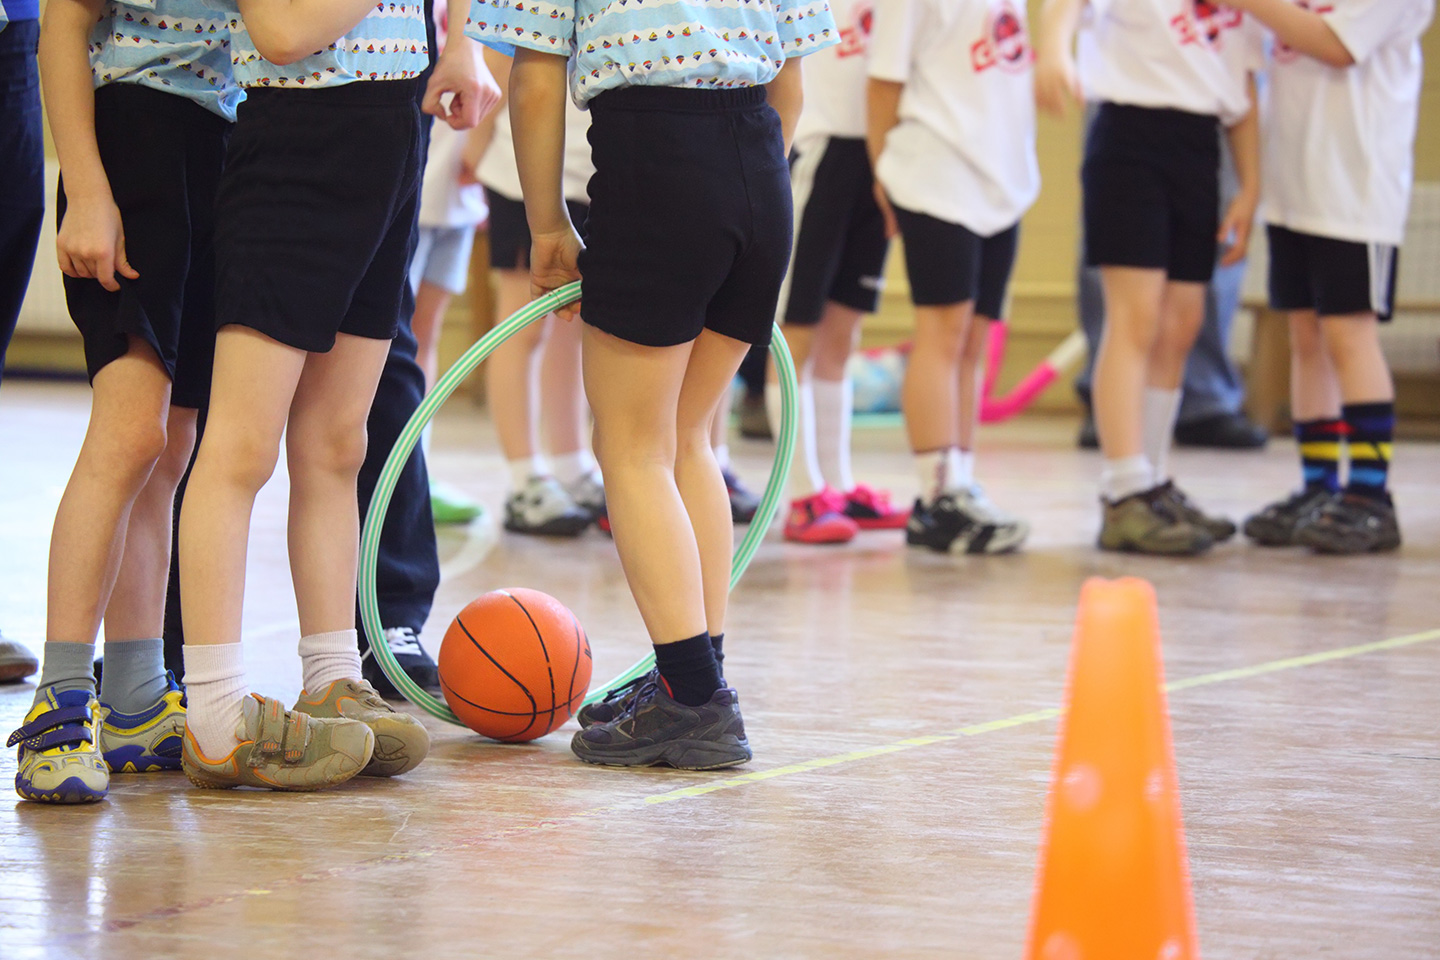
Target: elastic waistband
<point>1161,115</point>
<point>354,93</point>
<point>679,99</point>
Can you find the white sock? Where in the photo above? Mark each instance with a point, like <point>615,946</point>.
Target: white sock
<point>1161,408</point>
<point>834,411</point>
<point>1120,478</point>
<point>569,467</point>
<point>959,469</point>
<point>523,469</point>
<point>806,478</point>
<point>215,688</point>
<point>327,657</point>
<point>931,470</point>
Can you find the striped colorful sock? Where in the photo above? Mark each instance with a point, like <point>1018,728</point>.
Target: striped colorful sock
<point>1319,442</point>
<point>1370,427</point>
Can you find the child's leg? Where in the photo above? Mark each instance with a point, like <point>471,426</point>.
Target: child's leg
<point>835,340</point>
<point>1181,316</point>
<point>1315,403</point>
<point>431,302</point>
<point>806,477</point>
<point>1368,393</point>
<point>564,415</point>
<point>509,377</point>
<point>973,357</point>
<point>929,397</point>
<point>1134,298</point>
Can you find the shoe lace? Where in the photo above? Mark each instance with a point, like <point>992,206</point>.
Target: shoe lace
<point>403,642</point>
<point>643,695</point>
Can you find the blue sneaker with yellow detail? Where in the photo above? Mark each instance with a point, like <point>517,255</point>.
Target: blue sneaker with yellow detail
<point>147,741</point>
<point>59,743</point>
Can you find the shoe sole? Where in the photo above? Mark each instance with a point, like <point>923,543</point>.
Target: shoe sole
<point>1128,547</point>
<point>397,749</point>
<point>16,671</point>
<point>70,790</point>
<point>134,759</point>
<point>826,541</point>
<point>206,782</point>
<point>899,522</point>
<point>1346,547</point>
<point>560,527</point>
<point>1270,537</point>
<point>680,754</point>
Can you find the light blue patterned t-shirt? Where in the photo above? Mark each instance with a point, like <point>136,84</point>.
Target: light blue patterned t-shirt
<point>389,44</point>
<point>707,44</point>
<point>178,46</point>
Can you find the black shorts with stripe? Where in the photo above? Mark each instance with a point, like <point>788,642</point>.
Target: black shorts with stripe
<point>1333,277</point>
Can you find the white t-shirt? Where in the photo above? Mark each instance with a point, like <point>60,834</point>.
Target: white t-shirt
<point>1190,55</point>
<point>1340,142</point>
<point>499,173</point>
<point>835,77</point>
<point>443,201</point>
<point>964,150</point>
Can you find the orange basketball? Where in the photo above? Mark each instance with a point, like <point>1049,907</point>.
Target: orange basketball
<point>514,665</point>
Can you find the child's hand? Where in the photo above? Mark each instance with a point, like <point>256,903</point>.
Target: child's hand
<point>91,244</point>
<point>553,263</point>
<point>455,74</point>
<point>1235,227</point>
<point>1056,82</point>
<point>882,200</point>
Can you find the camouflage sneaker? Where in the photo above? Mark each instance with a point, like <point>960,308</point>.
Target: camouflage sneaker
<point>59,743</point>
<point>1350,523</point>
<point>655,729</point>
<point>1275,524</point>
<point>147,741</point>
<point>1147,522</point>
<point>615,702</point>
<point>282,750</point>
<point>1219,528</point>
<point>401,741</point>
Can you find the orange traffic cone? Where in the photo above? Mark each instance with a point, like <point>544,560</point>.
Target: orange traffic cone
<point>1113,881</point>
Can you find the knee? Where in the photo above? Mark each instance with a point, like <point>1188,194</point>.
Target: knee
<point>942,336</point>
<point>175,458</point>
<point>333,449</point>
<point>972,353</point>
<point>1305,339</point>
<point>239,457</point>
<point>621,449</point>
<point>130,446</point>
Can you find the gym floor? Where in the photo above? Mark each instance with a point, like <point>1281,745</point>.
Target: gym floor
<point>894,805</point>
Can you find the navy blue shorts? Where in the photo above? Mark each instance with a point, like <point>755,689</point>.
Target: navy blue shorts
<point>690,215</point>
<point>510,231</point>
<point>1335,278</point>
<point>947,263</point>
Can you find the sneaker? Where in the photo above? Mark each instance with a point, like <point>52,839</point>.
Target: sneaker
<point>1219,528</point>
<point>588,493</point>
<point>615,702</point>
<point>1147,522</point>
<point>871,510</point>
<point>448,505</point>
<point>16,661</point>
<point>655,729</point>
<point>147,741</point>
<point>542,508</point>
<point>59,743</point>
<point>1350,523</point>
<point>417,664</point>
<point>401,741</point>
<point>964,521</point>
<point>820,518</point>
<point>743,501</point>
<point>1274,525</point>
<point>282,750</point>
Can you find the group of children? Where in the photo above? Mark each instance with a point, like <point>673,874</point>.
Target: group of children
<point>250,256</point>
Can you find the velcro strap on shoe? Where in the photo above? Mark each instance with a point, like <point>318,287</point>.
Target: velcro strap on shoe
<point>49,721</point>
<point>61,737</point>
<point>296,735</point>
<point>271,733</point>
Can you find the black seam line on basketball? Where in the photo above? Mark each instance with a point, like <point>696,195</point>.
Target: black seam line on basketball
<point>640,803</point>
<point>446,690</point>
<point>549,668</point>
<point>575,664</point>
<point>534,707</point>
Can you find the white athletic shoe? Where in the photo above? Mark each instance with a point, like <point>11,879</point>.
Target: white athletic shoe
<point>965,521</point>
<point>588,493</point>
<point>543,508</point>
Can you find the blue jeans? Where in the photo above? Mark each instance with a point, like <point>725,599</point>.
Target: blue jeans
<point>22,169</point>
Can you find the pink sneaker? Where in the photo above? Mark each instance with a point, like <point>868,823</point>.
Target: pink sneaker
<point>871,510</point>
<point>819,518</point>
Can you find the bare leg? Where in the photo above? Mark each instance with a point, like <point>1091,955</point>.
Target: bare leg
<point>835,339</point>
<point>1314,384</point>
<point>430,305</point>
<point>930,396</point>
<point>634,392</point>
<point>1353,345</point>
<point>1181,315</point>
<point>510,371</point>
<point>972,381</point>
<point>564,415</point>
<point>1134,298</point>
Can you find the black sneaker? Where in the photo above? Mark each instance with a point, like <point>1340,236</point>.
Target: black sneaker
<point>615,703</point>
<point>413,659</point>
<point>655,729</point>
<point>1275,524</point>
<point>1350,523</point>
<point>743,501</point>
<point>920,528</point>
<point>1219,528</point>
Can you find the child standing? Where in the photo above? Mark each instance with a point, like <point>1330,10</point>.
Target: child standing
<point>835,278</point>
<point>952,132</point>
<point>1167,74</point>
<point>313,233</point>
<point>1339,125</point>
<point>689,232</point>
<point>140,117</point>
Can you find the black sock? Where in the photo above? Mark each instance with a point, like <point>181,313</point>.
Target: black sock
<point>717,643</point>
<point>689,669</point>
<point>1370,428</point>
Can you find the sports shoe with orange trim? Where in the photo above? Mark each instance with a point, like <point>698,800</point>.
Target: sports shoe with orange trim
<point>282,750</point>
<point>401,741</point>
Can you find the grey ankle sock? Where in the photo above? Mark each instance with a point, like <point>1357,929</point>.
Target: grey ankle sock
<point>68,666</point>
<point>134,677</point>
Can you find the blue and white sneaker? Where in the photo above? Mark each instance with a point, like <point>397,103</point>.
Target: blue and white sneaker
<point>59,743</point>
<point>148,741</point>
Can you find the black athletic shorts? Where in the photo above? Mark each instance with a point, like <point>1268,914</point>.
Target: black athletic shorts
<point>1151,185</point>
<point>949,264</point>
<point>163,155</point>
<point>690,215</point>
<point>1335,278</point>
<point>840,242</point>
<point>510,231</point>
<point>316,211</point>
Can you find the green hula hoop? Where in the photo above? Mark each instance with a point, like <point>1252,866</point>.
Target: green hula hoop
<point>410,436</point>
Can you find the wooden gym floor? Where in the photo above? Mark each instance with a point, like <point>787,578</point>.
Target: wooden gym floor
<point>1311,787</point>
